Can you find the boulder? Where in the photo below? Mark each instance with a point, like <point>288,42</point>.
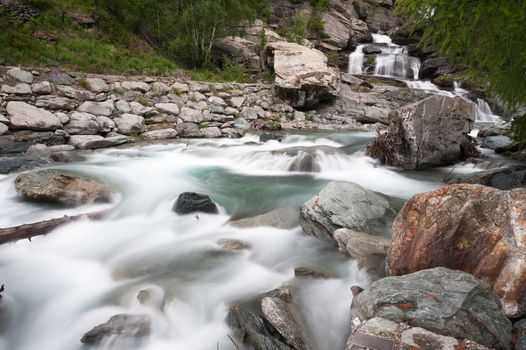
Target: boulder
<point>403,337</point>
<point>26,116</point>
<point>82,124</point>
<point>105,108</point>
<point>371,50</point>
<point>506,178</point>
<point>130,123</point>
<point>96,141</point>
<point>302,75</point>
<point>346,205</point>
<point>433,67</point>
<point>428,133</point>
<point>240,50</point>
<point>280,314</point>
<point>494,142</point>
<point>191,115</point>
<point>284,218</point>
<point>60,78</point>
<point>42,88</point>
<point>377,14</point>
<point>442,301</point>
<point>21,163</point>
<point>473,228</point>
<point>61,187</point>
<point>359,33</point>
<point>20,75</point>
<point>337,28</point>
<point>120,329</point>
<point>160,134</point>
<point>188,130</point>
<point>191,202</point>
<point>210,132</point>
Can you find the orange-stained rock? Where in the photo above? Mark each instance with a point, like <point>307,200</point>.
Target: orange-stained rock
<point>473,228</point>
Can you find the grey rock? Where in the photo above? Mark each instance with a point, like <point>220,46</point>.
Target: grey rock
<point>20,141</point>
<point>248,113</point>
<point>337,28</point>
<point>371,50</point>
<point>82,124</point>
<point>190,115</point>
<point>25,116</point>
<point>238,49</point>
<point>120,329</point>
<point>188,130</point>
<point>21,163</point>
<point>18,89</point>
<point>199,87</point>
<point>60,78</point>
<point>284,218</point>
<point>20,75</point>
<point>123,106</point>
<point>97,85</point>
<point>231,111</point>
<point>79,95</point>
<point>428,133</point>
<point>63,117</point>
<point>241,123</point>
<point>61,187</point>
<point>135,86</point>
<point>169,108</point>
<point>160,88</point>
<point>105,108</point>
<point>217,101</point>
<point>346,205</point>
<point>160,134</point>
<point>3,129</point>
<point>130,123</point>
<point>278,312</point>
<point>494,142</point>
<point>179,88</point>
<point>506,178</point>
<point>38,149</point>
<point>191,202</point>
<point>96,141</point>
<point>446,302</point>
<point>56,103</point>
<point>237,101</point>
<point>106,124</point>
<point>520,330</point>
<point>211,132</point>
<point>233,244</point>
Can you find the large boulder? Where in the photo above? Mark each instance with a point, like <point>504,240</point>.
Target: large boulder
<point>443,301</point>
<point>120,329</point>
<point>130,123</point>
<point>26,116</point>
<point>238,49</point>
<point>337,28</point>
<point>61,187</point>
<point>473,228</point>
<point>82,124</point>
<point>428,133</point>
<point>302,75</point>
<point>191,202</point>
<point>346,205</point>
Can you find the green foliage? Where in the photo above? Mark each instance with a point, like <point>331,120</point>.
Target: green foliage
<point>295,31</point>
<point>518,130</point>
<point>262,39</point>
<point>269,76</point>
<point>230,72</point>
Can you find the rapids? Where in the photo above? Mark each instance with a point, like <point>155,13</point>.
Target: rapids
<point>61,285</point>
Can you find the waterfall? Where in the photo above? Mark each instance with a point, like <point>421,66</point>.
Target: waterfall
<point>356,61</point>
<point>484,113</point>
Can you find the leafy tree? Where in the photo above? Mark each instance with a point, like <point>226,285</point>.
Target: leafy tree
<point>485,36</point>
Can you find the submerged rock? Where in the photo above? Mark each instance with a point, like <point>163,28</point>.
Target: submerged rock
<point>284,218</point>
<point>122,328</point>
<point>279,313</point>
<point>473,228</point>
<point>346,205</point>
<point>445,302</point>
<point>21,163</point>
<point>61,187</point>
<point>191,202</point>
<point>428,133</point>
<point>506,178</point>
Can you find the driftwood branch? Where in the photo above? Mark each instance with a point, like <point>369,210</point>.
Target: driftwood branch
<point>12,234</point>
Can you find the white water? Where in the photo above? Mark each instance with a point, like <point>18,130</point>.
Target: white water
<point>394,62</point>
<point>62,285</point>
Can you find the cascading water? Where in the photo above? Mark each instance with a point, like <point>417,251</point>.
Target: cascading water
<point>61,285</point>
<point>394,62</point>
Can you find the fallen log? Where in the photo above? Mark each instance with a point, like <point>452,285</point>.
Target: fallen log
<point>16,233</point>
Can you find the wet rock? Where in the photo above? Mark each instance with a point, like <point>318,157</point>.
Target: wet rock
<point>314,272</point>
<point>20,141</point>
<point>191,202</point>
<point>105,108</point>
<point>494,142</point>
<point>506,178</point>
<point>130,123</point>
<point>371,50</point>
<point>359,33</point>
<point>20,75</point>
<point>120,328</point>
<point>302,74</point>
<point>160,134</point>
<point>305,162</point>
<point>252,329</point>
<point>433,67</point>
<point>267,136</point>
<point>61,187</point>
<point>346,205</point>
<point>494,130</point>
<point>442,301</point>
<point>281,315</point>
<point>21,163</point>
<point>473,228</point>
<point>428,133</point>
<point>368,250</point>
<point>519,328</point>
<point>233,244</point>
<point>25,116</point>
<point>284,218</point>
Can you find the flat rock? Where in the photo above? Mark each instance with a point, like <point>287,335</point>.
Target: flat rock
<point>18,89</point>
<point>284,218</point>
<point>26,116</point>
<point>61,187</point>
<point>20,75</point>
<point>97,85</point>
<point>105,108</point>
<point>56,103</point>
<point>160,134</point>
<point>130,123</point>
<point>169,108</point>
<point>96,141</point>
